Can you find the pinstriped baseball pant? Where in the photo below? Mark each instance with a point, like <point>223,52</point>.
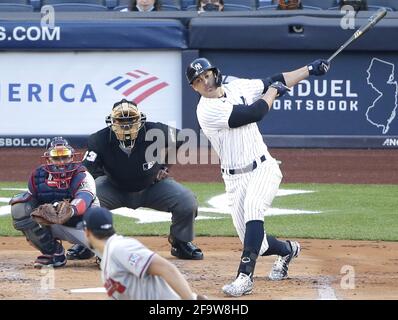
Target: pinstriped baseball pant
<point>251,194</point>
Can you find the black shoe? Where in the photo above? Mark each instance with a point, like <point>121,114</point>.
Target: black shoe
<point>79,252</point>
<point>186,250</point>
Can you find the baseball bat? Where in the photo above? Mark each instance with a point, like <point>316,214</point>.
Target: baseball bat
<point>375,18</point>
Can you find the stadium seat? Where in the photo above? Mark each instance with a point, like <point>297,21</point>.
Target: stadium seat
<point>393,4</point>
<point>111,3</point>
<point>186,3</point>
<point>96,2</point>
<point>76,7</point>
<point>15,2</point>
<point>11,7</point>
<point>323,4</point>
<point>262,3</point>
<point>375,8</point>
<point>274,6</point>
<point>237,7</point>
<point>248,3</point>
<point>227,7</point>
<point>192,7</point>
<point>175,3</point>
<point>169,7</point>
<point>370,8</point>
<point>36,4</point>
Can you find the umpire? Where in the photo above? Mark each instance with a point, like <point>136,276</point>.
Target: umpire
<point>126,176</point>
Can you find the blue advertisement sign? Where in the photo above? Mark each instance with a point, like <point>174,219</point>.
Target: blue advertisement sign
<point>357,99</point>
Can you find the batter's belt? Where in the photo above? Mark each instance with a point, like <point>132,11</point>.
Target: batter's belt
<point>248,168</point>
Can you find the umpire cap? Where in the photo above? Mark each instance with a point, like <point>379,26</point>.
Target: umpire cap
<point>200,65</point>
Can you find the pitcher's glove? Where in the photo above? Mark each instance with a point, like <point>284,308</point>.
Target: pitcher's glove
<point>57,213</point>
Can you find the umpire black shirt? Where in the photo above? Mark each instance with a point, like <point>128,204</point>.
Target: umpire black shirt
<point>128,172</point>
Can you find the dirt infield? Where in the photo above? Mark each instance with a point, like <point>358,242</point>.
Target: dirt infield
<point>320,272</point>
<point>298,165</point>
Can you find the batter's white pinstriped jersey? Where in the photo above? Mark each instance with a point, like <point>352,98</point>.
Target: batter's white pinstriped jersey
<point>236,147</point>
<point>249,194</point>
<point>124,265</point>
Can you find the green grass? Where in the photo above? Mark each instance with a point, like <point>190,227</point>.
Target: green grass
<point>368,212</point>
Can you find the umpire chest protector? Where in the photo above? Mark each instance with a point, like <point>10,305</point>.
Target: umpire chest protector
<point>48,194</point>
<point>129,172</point>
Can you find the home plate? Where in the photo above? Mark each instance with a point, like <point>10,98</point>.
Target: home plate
<point>14,189</point>
<point>5,210</point>
<point>89,290</point>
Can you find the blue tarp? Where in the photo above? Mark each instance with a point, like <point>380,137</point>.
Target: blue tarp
<point>277,34</point>
<point>113,34</point>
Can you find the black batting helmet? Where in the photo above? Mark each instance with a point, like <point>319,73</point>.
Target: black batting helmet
<point>200,65</point>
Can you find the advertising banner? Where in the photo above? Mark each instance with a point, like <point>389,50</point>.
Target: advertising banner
<point>357,101</point>
<point>70,93</point>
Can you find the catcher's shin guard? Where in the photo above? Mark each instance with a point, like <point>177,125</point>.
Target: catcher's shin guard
<point>55,260</point>
<point>41,238</point>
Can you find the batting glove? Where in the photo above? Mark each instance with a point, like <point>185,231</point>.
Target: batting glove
<point>280,87</point>
<point>318,67</point>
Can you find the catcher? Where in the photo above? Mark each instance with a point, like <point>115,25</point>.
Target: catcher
<point>60,191</point>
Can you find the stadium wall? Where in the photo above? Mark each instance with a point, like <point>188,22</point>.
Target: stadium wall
<point>72,75</point>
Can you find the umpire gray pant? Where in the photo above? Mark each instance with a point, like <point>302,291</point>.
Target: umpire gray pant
<point>165,195</point>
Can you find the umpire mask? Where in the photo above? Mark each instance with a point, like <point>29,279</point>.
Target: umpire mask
<point>126,121</point>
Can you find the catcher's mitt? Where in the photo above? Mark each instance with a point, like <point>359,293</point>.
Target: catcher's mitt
<point>57,213</point>
<point>289,4</point>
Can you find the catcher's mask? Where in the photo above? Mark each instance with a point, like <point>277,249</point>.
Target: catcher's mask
<point>126,121</point>
<point>199,66</point>
<point>60,163</point>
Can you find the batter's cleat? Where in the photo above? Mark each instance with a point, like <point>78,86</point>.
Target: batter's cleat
<point>55,260</point>
<point>79,252</point>
<point>242,285</point>
<point>281,265</point>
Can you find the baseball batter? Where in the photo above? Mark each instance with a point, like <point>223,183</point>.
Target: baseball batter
<point>130,271</point>
<point>227,115</point>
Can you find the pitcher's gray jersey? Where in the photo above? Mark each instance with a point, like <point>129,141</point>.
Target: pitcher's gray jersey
<point>124,272</point>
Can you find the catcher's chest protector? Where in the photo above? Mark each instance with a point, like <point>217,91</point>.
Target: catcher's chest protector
<point>48,194</point>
